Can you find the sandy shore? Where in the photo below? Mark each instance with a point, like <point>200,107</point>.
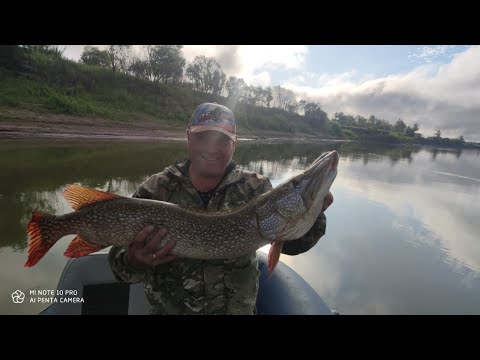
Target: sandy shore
<point>25,124</point>
<point>36,131</point>
<point>48,126</point>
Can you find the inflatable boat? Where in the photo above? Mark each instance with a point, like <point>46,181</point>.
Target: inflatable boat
<point>91,289</point>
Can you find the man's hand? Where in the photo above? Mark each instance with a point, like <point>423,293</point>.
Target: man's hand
<point>144,253</point>
<point>327,201</point>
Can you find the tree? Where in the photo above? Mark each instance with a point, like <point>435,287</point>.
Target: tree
<point>461,139</point>
<point>258,96</point>
<point>268,97</point>
<point>166,63</point>
<point>235,88</point>
<point>410,131</point>
<point>206,75</point>
<point>218,81</point>
<point>400,126</point>
<point>438,134</point>
<point>361,121</point>
<point>250,95</point>
<point>141,69</point>
<point>11,56</point>
<point>92,55</point>
<point>119,57</point>
<point>335,129</point>
<point>339,117</point>
<point>54,50</point>
<point>314,115</point>
<point>283,99</point>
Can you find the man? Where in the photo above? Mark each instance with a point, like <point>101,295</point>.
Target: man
<point>208,180</point>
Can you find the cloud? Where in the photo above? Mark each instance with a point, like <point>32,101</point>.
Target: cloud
<point>261,79</point>
<point>445,97</point>
<point>73,52</point>
<point>252,62</point>
<point>428,54</point>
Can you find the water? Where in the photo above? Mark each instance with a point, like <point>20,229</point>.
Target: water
<point>402,233</point>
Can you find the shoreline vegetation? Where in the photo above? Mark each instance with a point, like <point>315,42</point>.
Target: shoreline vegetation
<point>112,95</point>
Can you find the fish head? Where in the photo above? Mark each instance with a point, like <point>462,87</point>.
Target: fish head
<point>315,182</point>
<point>291,209</point>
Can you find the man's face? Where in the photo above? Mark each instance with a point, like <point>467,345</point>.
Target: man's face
<point>210,152</point>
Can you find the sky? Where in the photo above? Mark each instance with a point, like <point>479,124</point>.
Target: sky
<point>436,86</point>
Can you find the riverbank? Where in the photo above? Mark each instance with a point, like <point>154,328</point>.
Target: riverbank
<point>16,124</point>
<point>27,124</point>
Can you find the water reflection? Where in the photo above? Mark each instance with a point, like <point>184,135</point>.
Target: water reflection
<point>401,235</point>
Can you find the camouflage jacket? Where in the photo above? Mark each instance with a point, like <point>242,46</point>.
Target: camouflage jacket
<point>191,286</point>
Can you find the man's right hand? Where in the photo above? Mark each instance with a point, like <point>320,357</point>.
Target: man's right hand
<point>143,253</point>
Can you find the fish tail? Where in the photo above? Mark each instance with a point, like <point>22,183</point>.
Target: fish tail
<point>43,234</point>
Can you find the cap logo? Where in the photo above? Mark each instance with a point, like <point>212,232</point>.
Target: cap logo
<point>205,117</point>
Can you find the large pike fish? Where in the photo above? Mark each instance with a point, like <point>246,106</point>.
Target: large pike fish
<point>102,219</point>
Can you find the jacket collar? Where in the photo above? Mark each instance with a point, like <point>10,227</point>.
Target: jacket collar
<point>232,174</point>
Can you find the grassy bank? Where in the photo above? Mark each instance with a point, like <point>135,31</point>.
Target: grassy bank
<point>52,85</point>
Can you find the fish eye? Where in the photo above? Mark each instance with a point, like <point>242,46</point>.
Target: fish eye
<point>295,183</point>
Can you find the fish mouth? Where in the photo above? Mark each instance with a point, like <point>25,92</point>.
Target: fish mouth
<point>334,164</point>
<point>330,157</point>
<point>320,175</point>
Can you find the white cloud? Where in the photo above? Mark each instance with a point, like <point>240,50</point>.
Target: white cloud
<point>251,62</point>
<point>437,96</point>
<point>261,79</point>
<point>428,54</point>
<point>73,52</point>
<point>273,56</point>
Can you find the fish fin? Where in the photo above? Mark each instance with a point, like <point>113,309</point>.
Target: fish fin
<point>80,247</point>
<point>274,256</point>
<point>79,196</point>
<point>41,237</point>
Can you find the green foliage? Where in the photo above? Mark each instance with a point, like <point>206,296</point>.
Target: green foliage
<point>166,63</point>
<point>400,126</point>
<point>206,75</point>
<point>92,55</point>
<point>334,129</point>
<point>56,85</point>
<point>11,56</point>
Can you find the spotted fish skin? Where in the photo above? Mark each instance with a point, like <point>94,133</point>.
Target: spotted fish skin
<point>102,219</point>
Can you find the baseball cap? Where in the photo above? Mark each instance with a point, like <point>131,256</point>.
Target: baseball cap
<point>213,116</point>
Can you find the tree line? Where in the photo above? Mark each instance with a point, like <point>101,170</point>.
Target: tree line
<point>166,64</point>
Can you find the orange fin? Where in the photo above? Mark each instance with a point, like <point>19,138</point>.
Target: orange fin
<point>274,256</point>
<point>40,238</point>
<point>79,247</point>
<point>79,196</point>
